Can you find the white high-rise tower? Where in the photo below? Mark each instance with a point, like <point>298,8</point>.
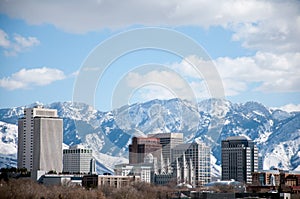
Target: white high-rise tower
<point>40,137</point>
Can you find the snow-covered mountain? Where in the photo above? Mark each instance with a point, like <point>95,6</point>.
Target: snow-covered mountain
<point>276,132</point>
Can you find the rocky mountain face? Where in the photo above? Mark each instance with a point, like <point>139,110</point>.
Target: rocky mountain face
<point>276,132</point>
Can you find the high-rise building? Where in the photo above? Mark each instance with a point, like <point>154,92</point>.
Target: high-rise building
<point>193,160</point>
<point>77,159</point>
<point>40,137</point>
<point>168,142</point>
<point>141,147</point>
<point>239,159</point>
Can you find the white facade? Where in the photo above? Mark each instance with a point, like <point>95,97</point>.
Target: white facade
<point>143,171</point>
<point>40,137</point>
<point>192,163</point>
<point>168,142</point>
<point>77,159</point>
<point>65,180</point>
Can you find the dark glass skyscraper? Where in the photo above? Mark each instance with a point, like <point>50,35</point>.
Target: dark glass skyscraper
<point>239,159</point>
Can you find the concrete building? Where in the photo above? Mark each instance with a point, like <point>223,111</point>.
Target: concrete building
<point>40,137</point>
<point>168,141</point>
<point>77,159</point>
<point>65,180</point>
<point>108,180</point>
<point>144,171</point>
<point>239,159</point>
<point>141,147</point>
<point>192,163</point>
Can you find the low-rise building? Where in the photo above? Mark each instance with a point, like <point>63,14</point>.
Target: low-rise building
<point>55,179</point>
<point>266,178</point>
<point>290,181</point>
<point>275,181</point>
<point>116,181</point>
<point>144,171</point>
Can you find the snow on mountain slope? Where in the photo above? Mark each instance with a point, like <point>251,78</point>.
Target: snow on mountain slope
<point>276,132</point>
<point>8,144</point>
<point>9,138</point>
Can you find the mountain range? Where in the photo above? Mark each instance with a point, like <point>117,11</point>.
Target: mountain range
<point>108,134</point>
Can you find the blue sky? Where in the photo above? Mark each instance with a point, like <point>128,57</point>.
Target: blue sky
<point>253,45</point>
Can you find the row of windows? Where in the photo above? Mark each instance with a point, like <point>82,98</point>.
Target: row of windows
<point>67,151</point>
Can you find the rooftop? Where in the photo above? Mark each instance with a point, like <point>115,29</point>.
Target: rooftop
<point>238,138</point>
<point>166,135</point>
<point>78,146</point>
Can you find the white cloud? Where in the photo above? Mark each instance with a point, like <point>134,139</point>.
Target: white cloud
<point>162,77</point>
<point>17,45</point>
<point>271,72</point>
<point>266,72</point>
<point>24,42</point>
<point>150,92</point>
<point>27,78</point>
<point>261,25</point>
<point>290,107</point>
<point>4,42</point>
<point>160,85</point>
<point>91,15</point>
<point>278,32</point>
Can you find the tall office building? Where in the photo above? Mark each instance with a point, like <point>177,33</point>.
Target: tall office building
<point>40,137</point>
<point>77,159</point>
<point>195,157</point>
<point>142,147</point>
<point>168,142</point>
<point>239,159</point>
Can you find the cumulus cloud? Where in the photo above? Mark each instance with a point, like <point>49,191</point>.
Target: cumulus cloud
<point>269,26</point>
<point>96,14</point>
<point>159,84</point>
<point>164,84</point>
<point>149,92</point>
<point>17,44</point>
<point>271,72</point>
<point>261,25</point>
<point>4,42</point>
<point>28,78</point>
<point>290,107</point>
<point>266,72</point>
<point>277,32</point>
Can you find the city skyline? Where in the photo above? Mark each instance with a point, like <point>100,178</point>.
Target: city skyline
<point>190,125</point>
<point>190,164</point>
<point>257,59</point>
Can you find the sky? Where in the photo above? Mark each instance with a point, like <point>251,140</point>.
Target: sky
<point>86,51</point>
